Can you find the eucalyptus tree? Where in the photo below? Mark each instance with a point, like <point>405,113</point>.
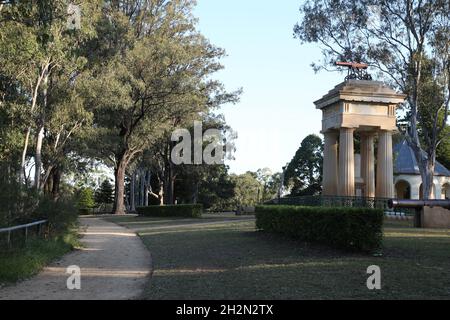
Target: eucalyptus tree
<point>68,124</point>
<point>247,190</point>
<point>157,74</point>
<point>401,39</point>
<point>39,51</point>
<point>271,183</point>
<point>195,173</point>
<point>209,185</point>
<point>192,173</point>
<point>11,118</point>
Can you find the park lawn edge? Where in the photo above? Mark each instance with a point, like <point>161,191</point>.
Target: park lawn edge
<point>26,262</point>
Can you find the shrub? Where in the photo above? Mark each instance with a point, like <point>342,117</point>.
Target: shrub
<point>61,214</point>
<point>347,228</point>
<point>17,204</point>
<point>182,210</point>
<point>86,201</point>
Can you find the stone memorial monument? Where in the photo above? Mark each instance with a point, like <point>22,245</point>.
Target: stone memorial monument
<point>369,108</point>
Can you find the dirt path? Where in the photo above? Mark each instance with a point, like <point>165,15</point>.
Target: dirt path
<point>115,265</point>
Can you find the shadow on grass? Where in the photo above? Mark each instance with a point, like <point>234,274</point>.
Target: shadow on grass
<point>231,260</point>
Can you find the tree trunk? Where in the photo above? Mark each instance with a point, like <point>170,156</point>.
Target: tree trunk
<point>170,184</point>
<point>141,187</point>
<point>195,193</point>
<point>42,77</point>
<point>428,179</point>
<point>426,163</point>
<point>48,184</point>
<point>38,158</point>
<point>119,175</point>
<point>161,192</point>
<point>56,183</point>
<point>427,186</point>
<point>45,179</point>
<point>172,190</point>
<point>132,193</point>
<point>427,166</point>
<point>137,188</point>
<point>40,136</point>
<point>23,173</point>
<point>148,187</point>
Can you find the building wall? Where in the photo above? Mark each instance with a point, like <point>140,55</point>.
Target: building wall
<point>415,182</point>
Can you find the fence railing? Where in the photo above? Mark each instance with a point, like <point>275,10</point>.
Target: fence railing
<point>330,201</point>
<point>25,227</point>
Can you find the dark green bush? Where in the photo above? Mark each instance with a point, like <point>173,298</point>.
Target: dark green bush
<point>86,201</point>
<point>29,207</point>
<point>17,204</point>
<point>61,214</point>
<point>26,206</point>
<point>347,228</point>
<point>182,210</point>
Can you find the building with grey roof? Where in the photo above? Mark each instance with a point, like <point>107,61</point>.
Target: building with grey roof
<point>407,178</point>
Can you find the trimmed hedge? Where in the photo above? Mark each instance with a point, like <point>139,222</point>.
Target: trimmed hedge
<point>181,210</point>
<point>358,229</point>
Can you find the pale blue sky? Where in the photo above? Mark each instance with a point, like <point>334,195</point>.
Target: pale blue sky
<point>276,111</point>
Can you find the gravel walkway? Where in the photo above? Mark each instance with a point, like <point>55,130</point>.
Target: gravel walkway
<point>114,264</point>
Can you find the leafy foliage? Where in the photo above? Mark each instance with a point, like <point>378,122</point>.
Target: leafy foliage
<point>40,59</point>
<point>156,80</point>
<point>61,214</point>
<point>209,185</point>
<point>109,92</point>
<point>18,203</point>
<point>86,200</point>
<point>271,183</point>
<point>304,173</point>
<point>188,183</point>
<point>247,190</point>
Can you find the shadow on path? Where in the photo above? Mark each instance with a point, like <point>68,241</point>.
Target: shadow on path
<point>115,265</point>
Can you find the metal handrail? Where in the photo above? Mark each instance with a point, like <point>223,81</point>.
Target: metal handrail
<point>29,225</point>
<point>23,226</point>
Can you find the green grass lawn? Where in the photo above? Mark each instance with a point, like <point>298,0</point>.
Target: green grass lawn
<point>223,257</point>
<point>26,261</point>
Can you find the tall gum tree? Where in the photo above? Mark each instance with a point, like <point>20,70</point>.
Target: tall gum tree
<point>160,73</point>
<point>37,51</point>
